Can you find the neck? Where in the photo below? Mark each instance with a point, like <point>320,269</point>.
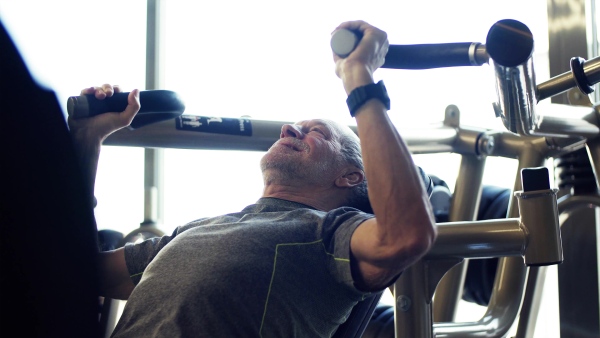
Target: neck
<point>319,198</point>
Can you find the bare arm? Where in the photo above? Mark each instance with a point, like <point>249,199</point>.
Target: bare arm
<point>403,229</point>
<point>88,135</point>
<point>114,278</point>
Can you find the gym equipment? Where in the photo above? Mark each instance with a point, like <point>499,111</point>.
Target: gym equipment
<point>156,105</point>
<point>424,56</point>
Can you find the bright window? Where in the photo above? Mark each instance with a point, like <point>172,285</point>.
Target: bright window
<point>69,45</point>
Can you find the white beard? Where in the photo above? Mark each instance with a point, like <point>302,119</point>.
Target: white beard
<point>285,166</point>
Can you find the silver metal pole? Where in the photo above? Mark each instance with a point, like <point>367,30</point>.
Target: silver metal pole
<point>465,203</point>
<point>153,158</point>
<point>531,299</point>
<point>412,306</point>
<point>510,277</point>
<point>561,83</point>
<point>525,235</point>
<point>476,239</point>
<point>425,140</point>
<point>413,291</point>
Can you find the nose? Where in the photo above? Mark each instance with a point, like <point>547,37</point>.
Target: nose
<point>290,130</point>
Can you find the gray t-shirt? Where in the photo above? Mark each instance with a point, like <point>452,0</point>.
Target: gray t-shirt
<point>275,269</point>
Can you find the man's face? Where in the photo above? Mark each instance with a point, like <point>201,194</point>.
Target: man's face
<point>307,151</point>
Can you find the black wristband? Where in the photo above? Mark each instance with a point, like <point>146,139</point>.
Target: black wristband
<point>360,95</point>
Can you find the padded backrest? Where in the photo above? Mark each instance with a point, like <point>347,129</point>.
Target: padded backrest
<point>48,285</point>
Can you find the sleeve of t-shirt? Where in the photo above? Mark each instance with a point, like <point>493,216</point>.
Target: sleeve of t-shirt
<point>139,255</point>
<point>339,225</point>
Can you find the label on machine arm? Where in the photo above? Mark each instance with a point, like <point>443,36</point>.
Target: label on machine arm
<point>217,125</point>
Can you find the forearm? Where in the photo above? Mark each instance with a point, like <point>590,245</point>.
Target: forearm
<point>397,195</point>
<point>114,278</point>
<point>89,133</point>
<point>403,228</point>
<point>87,150</point>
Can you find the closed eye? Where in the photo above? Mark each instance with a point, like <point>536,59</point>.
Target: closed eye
<point>318,131</point>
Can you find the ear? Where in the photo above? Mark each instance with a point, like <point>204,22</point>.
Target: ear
<point>350,179</point>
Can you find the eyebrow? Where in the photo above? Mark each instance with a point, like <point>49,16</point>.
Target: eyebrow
<point>319,124</point>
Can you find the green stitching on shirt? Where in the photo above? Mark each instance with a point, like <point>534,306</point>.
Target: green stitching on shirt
<point>137,274</point>
<point>275,266</point>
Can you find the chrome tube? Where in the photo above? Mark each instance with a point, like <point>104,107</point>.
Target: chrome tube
<point>561,120</point>
<point>430,140</point>
<point>532,204</point>
<point>413,290</point>
<point>531,302</point>
<point>434,139</point>
<point>516,97</point>
<point>573,202</point>
<point>565,81</point>
<point>519,236</point>
<point>166,135</point>
<point>464,207</point>
<point>510,46</point>
<point>566,127</point>
<point>412,305</point>
<point>501,311</point>
<point>510,279</point>
<point>480,239</point>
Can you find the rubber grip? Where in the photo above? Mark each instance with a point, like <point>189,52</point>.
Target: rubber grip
<point>426,56</point>
<point>421,56</point>
<point>156,105</point>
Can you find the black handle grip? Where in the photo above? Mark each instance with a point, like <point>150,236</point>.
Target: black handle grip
<point>428,56</point>
<point>422,56</point>
<point>156,105</point>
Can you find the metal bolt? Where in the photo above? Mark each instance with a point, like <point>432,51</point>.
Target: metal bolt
<point>486,144</point>
<point>403,303</point>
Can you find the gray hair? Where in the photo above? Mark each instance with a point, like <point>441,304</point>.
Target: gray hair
<point>351,154</point>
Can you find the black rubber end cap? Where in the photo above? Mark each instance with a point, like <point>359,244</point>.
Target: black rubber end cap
<point>535,179</point>
<point>509,43</point>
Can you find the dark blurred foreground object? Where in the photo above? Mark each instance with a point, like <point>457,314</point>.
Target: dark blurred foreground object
<point>48,236</point>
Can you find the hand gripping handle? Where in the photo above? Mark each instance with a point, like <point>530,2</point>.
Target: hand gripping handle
<point>420,56</point>
<point>156,105</point>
